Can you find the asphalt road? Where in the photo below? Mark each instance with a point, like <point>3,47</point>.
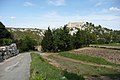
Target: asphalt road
<point>16,68</point>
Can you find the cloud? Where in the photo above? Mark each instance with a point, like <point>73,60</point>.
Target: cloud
<point>57,2</point>
<point>109,21</point>
<point>54,20</point>
<point>98,4</point>
<point>90,17</point>
<point>28,4</point>
<point>12,17</point>
<point>114,9</point>
<point>109,11</point>
<point>0,17</point>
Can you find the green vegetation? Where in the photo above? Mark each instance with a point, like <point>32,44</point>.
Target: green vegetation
<point>72,76</point>
<point>47,42</point>
<point>42,70</point>
<point>85,69</point>
<point>111,44</point>
<point>21,33</point>
<point>86,58</point>
<point>61,40</point>
<point>6,37</point>
<point>26,44</point>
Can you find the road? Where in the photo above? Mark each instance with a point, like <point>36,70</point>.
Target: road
<point>16,68</point>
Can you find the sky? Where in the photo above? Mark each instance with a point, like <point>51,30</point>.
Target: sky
<point>56,13</point>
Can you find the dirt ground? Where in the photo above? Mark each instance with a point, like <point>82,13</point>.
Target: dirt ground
<point>108,54</point>
<point>66,62</point>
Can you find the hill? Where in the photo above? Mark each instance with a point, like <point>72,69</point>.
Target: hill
<point>103,35</point>
<point>21,33</point>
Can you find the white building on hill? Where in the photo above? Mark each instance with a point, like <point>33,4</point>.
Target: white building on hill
<point>76,24</point>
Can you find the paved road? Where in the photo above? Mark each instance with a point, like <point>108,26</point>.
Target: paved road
<point>16,68</point>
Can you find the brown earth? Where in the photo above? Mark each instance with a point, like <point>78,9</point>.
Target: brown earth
<point>108,54</point>
<point>60,66</point>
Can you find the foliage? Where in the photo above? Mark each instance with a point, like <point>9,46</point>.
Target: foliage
<point>112,44</point>
<point>5,41</point>
<point>61,40</point>
<point>85,69</point>
<point>26,44</point>
<point>47,41</point>
<point>72,76</point>
<point>5,36</point>
<point>21,33</point>
<point>116,36</point>
<point>42,70</point>
<point>86,58</point>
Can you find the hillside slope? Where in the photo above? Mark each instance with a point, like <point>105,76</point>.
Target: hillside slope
<point>101,34</point>
<point>20,33</point>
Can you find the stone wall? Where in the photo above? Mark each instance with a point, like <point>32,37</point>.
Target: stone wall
<point>8,51</point>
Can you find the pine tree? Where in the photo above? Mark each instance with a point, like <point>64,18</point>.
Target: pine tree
<point>47,42</point>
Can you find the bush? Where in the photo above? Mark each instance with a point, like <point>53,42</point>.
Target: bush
<point>5,41</point>
<point>26,44</point>
<point>72,76</point>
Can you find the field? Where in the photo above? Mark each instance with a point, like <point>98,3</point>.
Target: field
<point>87,70</point>
<point>90,63</point>
<point>86,58</point>
<point>42,70</point>
<point>112,44</point>
<point>108,54</point>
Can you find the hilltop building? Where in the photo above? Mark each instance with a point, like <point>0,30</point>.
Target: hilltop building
<point>76,24</point>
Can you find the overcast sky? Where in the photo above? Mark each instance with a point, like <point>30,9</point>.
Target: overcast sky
<point>56,13</point>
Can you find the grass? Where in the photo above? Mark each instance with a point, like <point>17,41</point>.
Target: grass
<point>86,58</point>
<point>41,70</point>
<point>85,69</point>
<point>72,76</point>
<point>111,44</point>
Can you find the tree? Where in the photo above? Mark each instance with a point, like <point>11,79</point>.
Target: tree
<point>47,41</point>
<point>26,44</point>
<point>58,42</point>
<point>62,39</point>
<point>5,35</point>
<point>66,38</point>
<point>78,40</point>
<point>2,26</point>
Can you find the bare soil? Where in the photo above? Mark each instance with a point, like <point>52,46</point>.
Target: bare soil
<point>73,67</point>
<point>108,54</point>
